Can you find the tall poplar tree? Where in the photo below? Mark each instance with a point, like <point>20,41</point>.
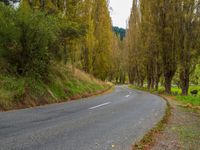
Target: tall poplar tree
<point>103,35</point>
<point>89,39</point>
<point>188,38</point>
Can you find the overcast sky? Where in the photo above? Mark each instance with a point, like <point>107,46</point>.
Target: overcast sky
<point>120,12</point>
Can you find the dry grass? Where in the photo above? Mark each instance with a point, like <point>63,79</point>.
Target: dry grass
<point>65,83</point>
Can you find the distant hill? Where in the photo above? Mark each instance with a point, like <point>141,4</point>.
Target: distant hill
<point>120,31</point>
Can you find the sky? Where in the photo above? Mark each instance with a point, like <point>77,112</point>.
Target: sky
<point>120,12</point>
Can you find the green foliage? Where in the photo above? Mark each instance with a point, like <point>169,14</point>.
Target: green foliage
<point>11,88</point>
<point>163,42</point>
<point>72,30</point>
<point>195,76</point>
<point>190,99</point>
<point>103,35</point>
<point>8,31</point>
<point>40,34</point>
<point>25,41</point>
<point>6,2</point>
<point>194,100</point>
<point>176,90</point>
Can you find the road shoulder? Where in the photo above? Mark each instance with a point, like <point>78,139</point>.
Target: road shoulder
<point>182,130</point>
<point>179,130</point>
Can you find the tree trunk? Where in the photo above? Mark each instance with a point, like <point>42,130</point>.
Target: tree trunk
<point>149,83</point>
<point>116,79</point>
<point>152,82</point>
<point>86,66</point>
<point>157,81</point>
<point>124,78</point>
<point>156,86</point>
<point>131,78</point>
<point>142,83</point>
<point>168,80</point>
<point>184,80</point>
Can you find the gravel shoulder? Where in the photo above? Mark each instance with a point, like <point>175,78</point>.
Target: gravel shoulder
<point>182,131</point>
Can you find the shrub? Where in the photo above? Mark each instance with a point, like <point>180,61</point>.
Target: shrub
<point>25,38</point>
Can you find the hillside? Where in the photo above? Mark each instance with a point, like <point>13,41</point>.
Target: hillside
<point>64,84</point>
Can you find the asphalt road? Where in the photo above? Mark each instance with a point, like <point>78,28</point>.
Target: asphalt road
<point>112,121</point>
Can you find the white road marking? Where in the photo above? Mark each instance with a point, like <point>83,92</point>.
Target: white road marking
<point>127,96</point>
<point>99,105</point>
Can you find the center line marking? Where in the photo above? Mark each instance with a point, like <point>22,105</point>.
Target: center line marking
<point>99,105</point>
<point>127,95</point>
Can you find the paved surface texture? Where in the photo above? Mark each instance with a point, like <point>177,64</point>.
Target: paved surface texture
<point>112,121</point>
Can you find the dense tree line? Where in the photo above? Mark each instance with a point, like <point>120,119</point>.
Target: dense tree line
<point>119,56</point>
<point>163,40</point>
<point>40,32</point>
<point>161,43</point>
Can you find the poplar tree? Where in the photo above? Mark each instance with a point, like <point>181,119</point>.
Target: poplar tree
<point>103,35</point>
<point>89,39</point>
<point>188,38</point>
<point>168,41</point>
<point>132,41</point>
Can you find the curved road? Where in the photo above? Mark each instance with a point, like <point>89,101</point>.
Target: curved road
<point>112,121</point>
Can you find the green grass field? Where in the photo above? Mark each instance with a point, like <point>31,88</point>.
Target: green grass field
<point>194,100</point>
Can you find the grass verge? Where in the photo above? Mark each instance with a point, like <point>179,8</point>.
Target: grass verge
<point>176,93</point>
<point>193,100</point>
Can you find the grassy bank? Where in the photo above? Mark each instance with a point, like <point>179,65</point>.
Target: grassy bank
<point>65,83</point>
<point>176,93</point>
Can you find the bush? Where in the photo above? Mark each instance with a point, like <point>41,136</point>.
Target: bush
<point>25,38</point>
